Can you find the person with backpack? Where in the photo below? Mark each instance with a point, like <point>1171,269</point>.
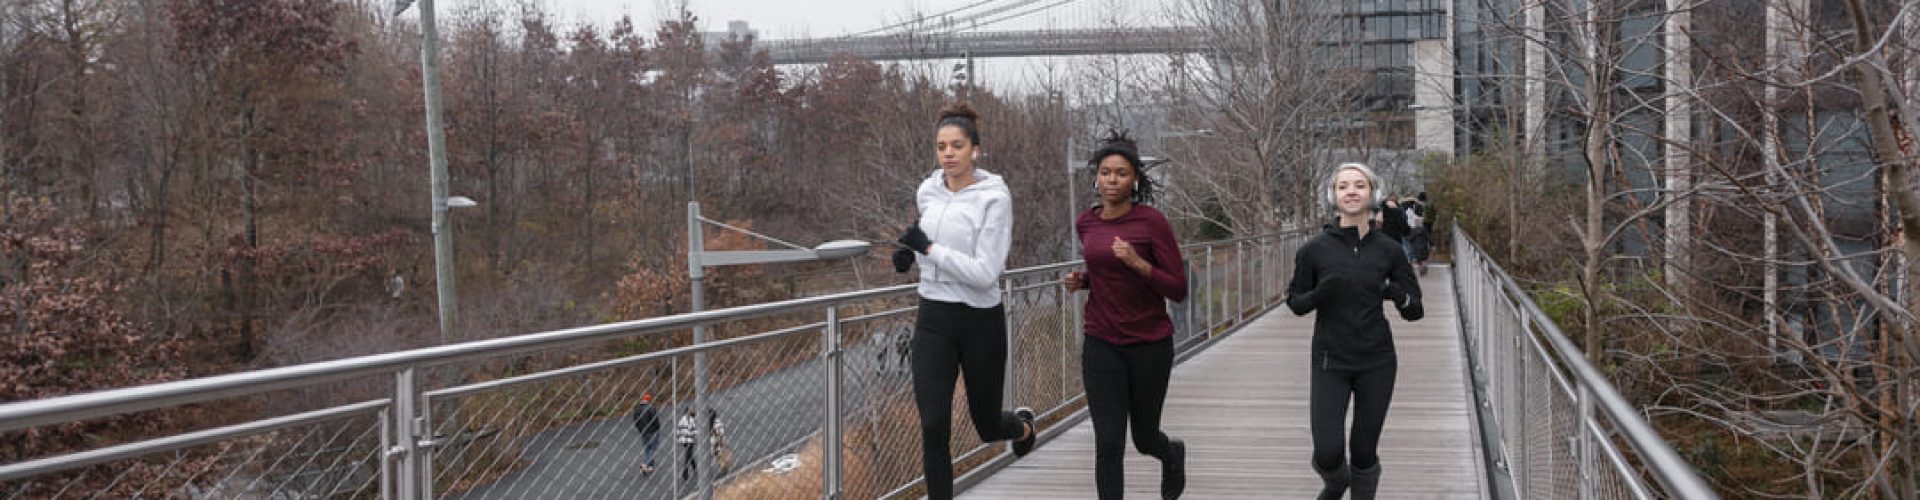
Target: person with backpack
<point>646,419</point>
<point>1419,238</point>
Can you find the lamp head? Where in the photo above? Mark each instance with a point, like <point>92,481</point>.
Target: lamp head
<point>841,249</point>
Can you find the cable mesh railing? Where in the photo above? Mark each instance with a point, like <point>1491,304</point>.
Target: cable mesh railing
<point>332,453</point>
<point>811,397</point>
<point>1561,430</point>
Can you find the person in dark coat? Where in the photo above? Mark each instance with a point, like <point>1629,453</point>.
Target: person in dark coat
<point>1345,274</point>
<point>646,419</point>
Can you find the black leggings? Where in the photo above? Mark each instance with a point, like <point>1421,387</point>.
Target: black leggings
<point>1124,381</point>
<point>1370,391</point>
<point>952,339</point>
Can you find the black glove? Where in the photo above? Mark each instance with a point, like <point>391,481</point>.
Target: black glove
<point>1329,287</point>
<point>1409,305</point>
<point>1332,286</point>
<point>916,239</point>
<point>902,260</point>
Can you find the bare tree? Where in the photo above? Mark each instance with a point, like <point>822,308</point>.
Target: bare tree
<point>1274,90</point>
<point>1811,368</point>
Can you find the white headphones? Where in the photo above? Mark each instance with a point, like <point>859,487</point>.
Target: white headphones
<point>1373,183</point>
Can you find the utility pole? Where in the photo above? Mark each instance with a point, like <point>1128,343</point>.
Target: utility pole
<point>437,160</point>
<point>412,483</point>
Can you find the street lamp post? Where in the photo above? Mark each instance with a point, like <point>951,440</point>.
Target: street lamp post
<point>442,237</point>
<point>437,162</point>
<point>698,259</point>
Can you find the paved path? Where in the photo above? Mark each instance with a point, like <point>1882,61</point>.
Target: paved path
<point>600,459</point>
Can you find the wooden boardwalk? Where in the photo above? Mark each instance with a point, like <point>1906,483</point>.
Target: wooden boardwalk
<point>1242,407</point>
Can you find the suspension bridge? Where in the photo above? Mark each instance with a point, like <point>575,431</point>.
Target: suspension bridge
<point>989,44</point>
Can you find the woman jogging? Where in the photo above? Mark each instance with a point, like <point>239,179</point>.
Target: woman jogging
<point>960,241</point>
<point>1346,273</point>
<point>1133,268</point>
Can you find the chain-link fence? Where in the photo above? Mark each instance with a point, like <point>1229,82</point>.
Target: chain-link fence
<point>805,398</point>
<point>332,453</point>
<point>1562,430</point>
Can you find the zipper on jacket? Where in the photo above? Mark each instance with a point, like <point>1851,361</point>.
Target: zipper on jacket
<point>948,203</point>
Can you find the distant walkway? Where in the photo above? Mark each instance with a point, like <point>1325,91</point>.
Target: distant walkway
<point>1242,407</point>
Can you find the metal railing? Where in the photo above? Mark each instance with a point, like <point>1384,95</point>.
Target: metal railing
<point>812,395</point>
<point>1556,422</point>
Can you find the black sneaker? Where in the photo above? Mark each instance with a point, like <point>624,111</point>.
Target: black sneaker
<point>1023,446</point>
<point>1173,470</point>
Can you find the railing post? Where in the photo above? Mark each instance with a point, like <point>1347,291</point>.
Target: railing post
<point>427,442</point>
<point>1066,333</point>
<point>1212,293</point>
<point>1013,343</point>
<point>1239,284</point>
<point>1584,446</point>
<point>673,383</point>
<point>1520,374</point>
<point>830,488</point>
<point>406,441</point>
<point>386,446</point>
<point>1265,263</point>
<point>1186,310</point>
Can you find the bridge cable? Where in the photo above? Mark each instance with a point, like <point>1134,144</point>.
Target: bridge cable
<point>1008,17</point>
<point>919,19</point>
<point>973,19</point>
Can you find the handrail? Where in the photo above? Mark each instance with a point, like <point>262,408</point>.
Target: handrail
<point>27,414</point>
<point>1675,475</point>
<point>411,416</point>
<point>15,416</point>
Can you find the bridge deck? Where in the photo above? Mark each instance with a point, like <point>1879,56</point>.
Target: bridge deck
<point>1242,407</point>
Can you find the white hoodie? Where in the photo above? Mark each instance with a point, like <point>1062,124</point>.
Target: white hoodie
<point>971,231</point>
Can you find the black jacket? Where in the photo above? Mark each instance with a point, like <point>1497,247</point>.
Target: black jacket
<point>1393,221</point>
<point>646,419</point>
<point>1347,277</point>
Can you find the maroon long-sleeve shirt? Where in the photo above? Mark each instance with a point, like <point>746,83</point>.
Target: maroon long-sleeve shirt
<point>1124,307</point>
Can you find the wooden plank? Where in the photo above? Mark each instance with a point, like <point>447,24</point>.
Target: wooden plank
<point>1242,408</point>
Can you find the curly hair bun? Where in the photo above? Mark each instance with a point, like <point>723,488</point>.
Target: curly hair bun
<point>958,110</point>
